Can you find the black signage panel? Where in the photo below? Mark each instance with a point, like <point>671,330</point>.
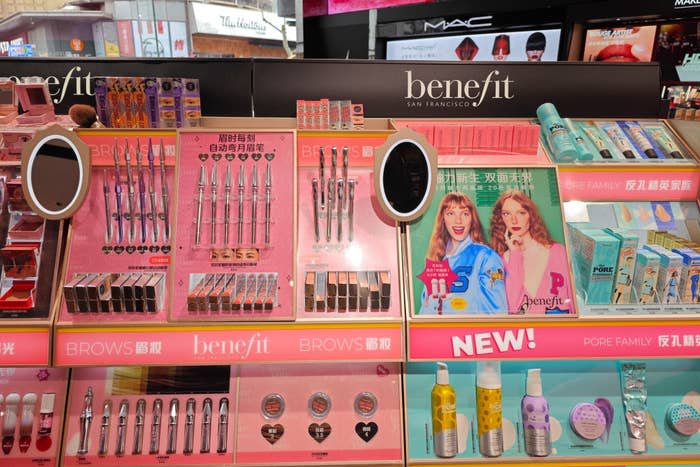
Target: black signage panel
<point>225,85</point>
<point>439,89</point>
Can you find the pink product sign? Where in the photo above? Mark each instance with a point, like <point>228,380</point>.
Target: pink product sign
<point>630,185</point>
<point>117,391</point>
<point>29,347</point>
<point>373,247</point>
<point>514,342</point>
<point>202,346</point>
<point>102,146</point>
<point>253,238</point>
<point>28,389</point>
<point>319,413</point>
<point>345,6</point>
<point>360,149</point>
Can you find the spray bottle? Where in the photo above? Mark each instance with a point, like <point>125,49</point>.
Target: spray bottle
<point>444,414</point>
<point>535,411</point>
<point>489,408</point>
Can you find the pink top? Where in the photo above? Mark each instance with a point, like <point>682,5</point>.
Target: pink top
<point>554,292</point>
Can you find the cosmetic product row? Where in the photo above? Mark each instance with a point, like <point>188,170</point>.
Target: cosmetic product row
<point>347,291</point>
<point>132,214</point>
<point>606,141</point>
<point>616,266</point>
<point>588,421</point>
<point>20,412</point>
<point>135,102</point>
<point>118,292</point>
<point>214,293</point>
<point>116,419</point>
<point>334,197</point>
<point>474,137</point>
<point>327,114</point>
<point>214,190</point>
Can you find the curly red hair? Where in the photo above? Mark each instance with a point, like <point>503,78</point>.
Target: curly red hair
<point>440,236</point>
<point>538,230</point>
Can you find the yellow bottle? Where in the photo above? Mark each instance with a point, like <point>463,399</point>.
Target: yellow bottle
<point>444,413</point>
<point>489,408</point>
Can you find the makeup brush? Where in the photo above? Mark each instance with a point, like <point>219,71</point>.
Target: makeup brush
<point>84,116</point>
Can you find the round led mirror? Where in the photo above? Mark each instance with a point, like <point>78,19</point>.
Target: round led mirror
<point>405,168</point>
<point>55,172</point>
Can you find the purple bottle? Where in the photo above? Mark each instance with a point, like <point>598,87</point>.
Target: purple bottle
<point>535,411</point>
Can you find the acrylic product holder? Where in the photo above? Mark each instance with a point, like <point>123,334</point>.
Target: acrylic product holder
<point>305,414</point>
<point>347,255</point>
<point>146,439</point>
<point>235,222</point>
<point>116,268</point>
<point>33,407</point>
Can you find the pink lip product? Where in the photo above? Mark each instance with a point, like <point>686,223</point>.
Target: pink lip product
<point>26,425</point>
<point>587,421</point>
<point>9,422</point>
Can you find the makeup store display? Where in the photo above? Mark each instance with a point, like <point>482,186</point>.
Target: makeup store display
<point>347,255</point>
<point>640,257</point>
<point>136,102</point>
<point>234,248</point>
<point>132,415</point>
<point>28,253</point>
<point>551,409</point>
<point>319,413</point>
<point>33,402</point>
<point>609,141</point>
<point>126,220</point>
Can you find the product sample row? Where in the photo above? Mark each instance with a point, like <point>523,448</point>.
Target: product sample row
<point>606,141</point>
<point>249,188</point>
<point>341,291</point>
<point>21,411</point>
<point>105,293</point>
<point>216,293</point>
<point>327,114</point>
<point>133,102</point>
<point>137,220</point>
<point>593,425</point>
<point>325,194</point>
<point>130,415</point>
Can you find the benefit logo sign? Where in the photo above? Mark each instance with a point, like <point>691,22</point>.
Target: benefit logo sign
<point>429,91</point>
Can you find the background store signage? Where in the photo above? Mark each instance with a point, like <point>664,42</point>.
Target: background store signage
<point>210,345</point>
<point>229,21</point>
<point>441,24</point>
<point>24,346</point>
<point>485,89</point>
<point>685,4</point>
<point>453,342</point>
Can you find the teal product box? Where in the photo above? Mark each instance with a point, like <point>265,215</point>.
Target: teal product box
<point>626,261</point>
<point>668,284</point>
<point>595,257</point>
<point>690,279</point>
<point>645,276</point>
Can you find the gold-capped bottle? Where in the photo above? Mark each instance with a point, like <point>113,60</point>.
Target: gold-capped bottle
<point>444,412</point>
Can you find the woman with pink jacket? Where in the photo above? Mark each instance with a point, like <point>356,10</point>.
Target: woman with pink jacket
<point>537,268</point>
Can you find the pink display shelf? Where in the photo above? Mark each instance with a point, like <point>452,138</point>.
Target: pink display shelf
<point>94,248</point>
<point>297,434</point>
<point>254,271</point>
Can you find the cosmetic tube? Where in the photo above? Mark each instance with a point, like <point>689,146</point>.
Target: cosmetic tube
<point>644,146</point>
<point>558,137</point>
<point>658,133</point>
<point>489,408</point>
<point>583,147</point>
<point>597,138</point>
<point>634,398</point>
<point>618,137</point>
<point>535,413</point>
<point>444,414</point>
<point>26,424</point>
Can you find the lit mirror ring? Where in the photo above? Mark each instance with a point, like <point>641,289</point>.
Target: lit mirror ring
<point>405,163</point>
<point>49,194</point>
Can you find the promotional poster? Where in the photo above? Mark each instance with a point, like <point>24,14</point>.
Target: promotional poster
<point>491,243</point>
<point>625,44</point>
<point>533,46</point>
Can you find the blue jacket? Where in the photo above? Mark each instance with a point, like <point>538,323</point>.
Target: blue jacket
<point>479,287</point>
